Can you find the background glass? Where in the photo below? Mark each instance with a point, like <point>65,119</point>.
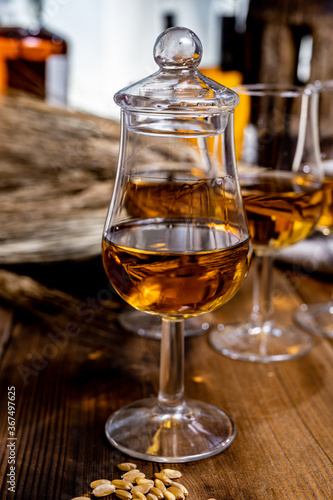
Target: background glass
<point>280,176</point>
<point>318,317</point>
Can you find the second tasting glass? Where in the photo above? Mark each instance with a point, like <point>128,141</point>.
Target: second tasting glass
<point>175,242</point>
<point>317,317</point>
<point>281,176</point>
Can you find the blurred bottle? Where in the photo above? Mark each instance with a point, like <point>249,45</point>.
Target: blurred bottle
<point>221,25</point>
<point>32,59</point>
<point>229,71</point>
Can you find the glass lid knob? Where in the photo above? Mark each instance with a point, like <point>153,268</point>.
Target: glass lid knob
<point>177,47</point>
<point>177,98</point>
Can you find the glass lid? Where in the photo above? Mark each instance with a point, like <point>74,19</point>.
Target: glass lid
<point>177,87</point>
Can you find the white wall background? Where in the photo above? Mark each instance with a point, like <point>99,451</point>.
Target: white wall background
<point>111,41</point>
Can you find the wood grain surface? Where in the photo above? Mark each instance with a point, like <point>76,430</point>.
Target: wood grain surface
<point>67,382</point>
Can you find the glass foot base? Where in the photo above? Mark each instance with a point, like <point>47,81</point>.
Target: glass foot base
<point>316,318</point>
<point>195,431</point>
<point>252,344</point>
<point>149,326</point>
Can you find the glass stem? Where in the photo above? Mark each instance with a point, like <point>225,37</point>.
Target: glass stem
<point>262,311</point>
<point>171,392</point>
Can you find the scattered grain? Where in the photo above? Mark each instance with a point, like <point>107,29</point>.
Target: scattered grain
<point>157,492</point>
<point>123,494</point>
<point>126,466</point>
<point>181,487</point>
<point>163,477</point>
<point>103,490</point>
<point>177,492</point>
<point>132,475</point>
<point>98,482</point>
<point>139,496</point>
<point>172,473</point>
<point>151,496</point>
<point>160,485</point>
<point>169,496</point>
<point>121,484</point>
<point>143,488</point>
<point>143,480</point>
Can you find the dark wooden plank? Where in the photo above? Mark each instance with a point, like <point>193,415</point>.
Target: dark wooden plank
<point>63,397</point>
<point>283,448</point>
<point>311,287</point>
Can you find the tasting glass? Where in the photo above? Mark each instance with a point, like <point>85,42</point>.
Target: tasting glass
<point>188,251</point>
<point>317,318</point>
<point>280,176</point>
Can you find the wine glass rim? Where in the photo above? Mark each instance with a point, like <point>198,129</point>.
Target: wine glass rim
<point>272,89</point>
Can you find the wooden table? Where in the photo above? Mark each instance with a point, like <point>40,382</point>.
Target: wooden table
<point>66,385</point>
